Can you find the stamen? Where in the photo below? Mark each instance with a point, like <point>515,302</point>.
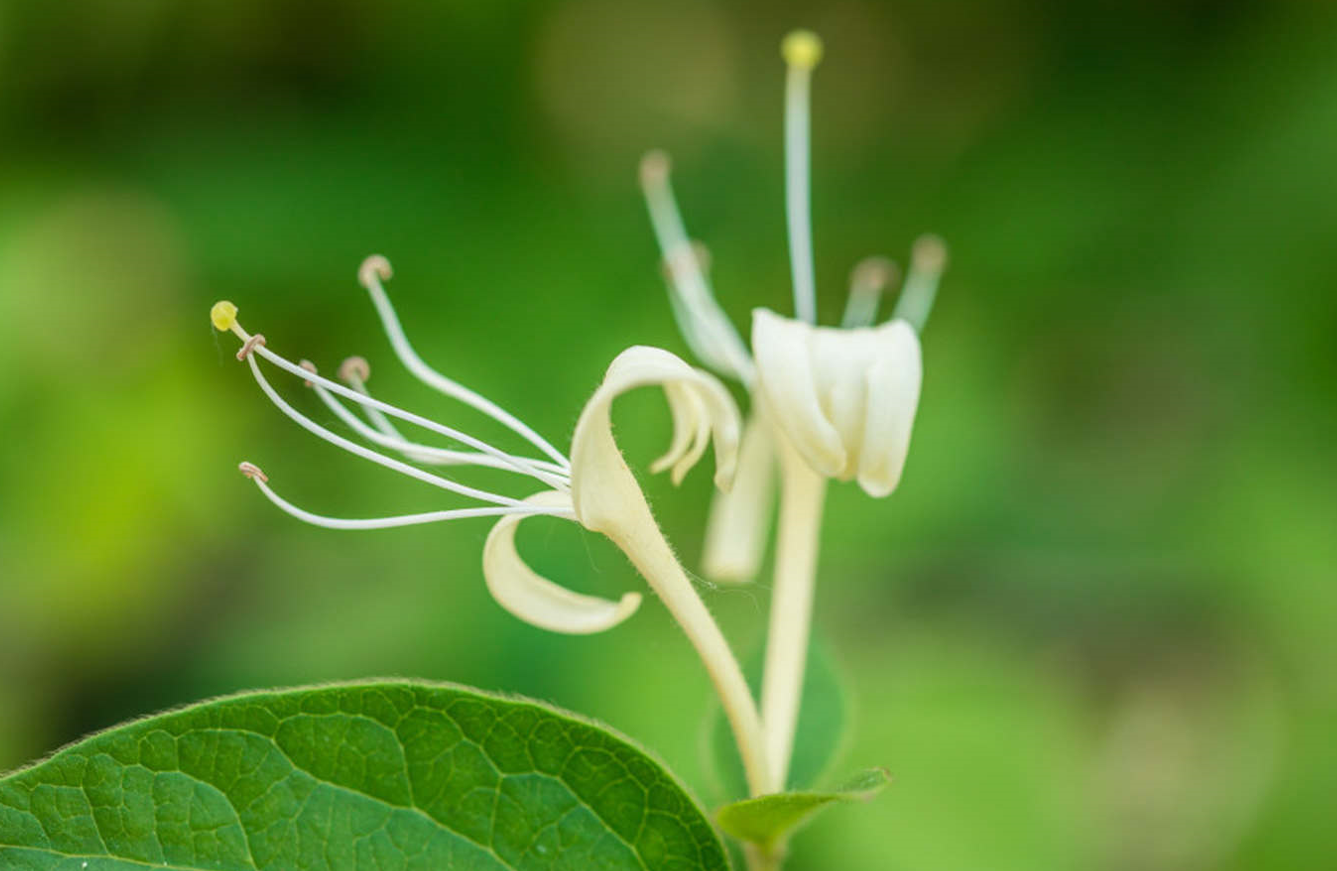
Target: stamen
<point>251,343</point>
<point>867,282</point>
<point>427,454</point>
<point>252,471</point>
<point>310,367</point>
<point>705,326</point>
<point>355,369</point>
<point>928,259</point>
<point>519,463</point>
<point>388,522</point>
<point>376,269</point>
<point>319,431</point>
<point>801,49</point>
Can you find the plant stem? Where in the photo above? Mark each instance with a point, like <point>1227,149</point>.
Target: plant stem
<point>639,537</point>
<point>802,493</point>
<point>761,859</point>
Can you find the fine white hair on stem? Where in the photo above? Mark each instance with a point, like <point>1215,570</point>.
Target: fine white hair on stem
<point>429,455</point>
<point>262,483</point>
<point>801,50</point>
<point>703,323</point>
<point>376,269</point>
<point>867,282</point>
<point>366,453</point>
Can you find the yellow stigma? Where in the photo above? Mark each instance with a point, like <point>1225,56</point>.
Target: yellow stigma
<point>223,315</point>
<point>802,48</point>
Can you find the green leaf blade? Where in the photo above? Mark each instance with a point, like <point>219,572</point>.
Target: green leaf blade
<point>384,775</point>
<point>769,820</point>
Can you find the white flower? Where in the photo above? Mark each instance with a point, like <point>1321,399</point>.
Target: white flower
<point>827,402</point>
<point>593,487</point>
<point>843,397</point>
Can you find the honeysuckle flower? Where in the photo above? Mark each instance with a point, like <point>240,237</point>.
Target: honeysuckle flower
<point>827,401</point>
<point>593,486</point>
<point>846,396</point>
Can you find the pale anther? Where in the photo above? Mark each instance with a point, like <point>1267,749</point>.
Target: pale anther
<point>252,471</point>
<point>249,345</point>
<point>654,167</point>
<point>355,369</point>
<point>374,267</point>
<point>873,272</point>
<point>930,253</point>
<point>310,367</point>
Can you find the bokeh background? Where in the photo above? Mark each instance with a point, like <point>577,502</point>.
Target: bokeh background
<point>1093,628</point>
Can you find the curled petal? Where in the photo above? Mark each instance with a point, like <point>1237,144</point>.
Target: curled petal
<point>783,348</point>
<point>601,484</point>
<point>691,432</point>
<point>606,498</point>
<point>893,395</point>
<point>846,398</point>
<point>537,600</point>
<point>740,519</point>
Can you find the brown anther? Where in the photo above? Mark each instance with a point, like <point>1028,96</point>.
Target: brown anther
<point>355,368</point>
<point>373,268</point>
<point>654,167</point>
<point>875,272</point>
<point>929,253</point>
<point>252,471</point>
<point>310,367</point>
<point>249,345</point>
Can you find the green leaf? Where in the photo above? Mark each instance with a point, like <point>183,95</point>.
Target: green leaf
<point>375,776</point>
<point>769,820</point>
<point>819,735</point>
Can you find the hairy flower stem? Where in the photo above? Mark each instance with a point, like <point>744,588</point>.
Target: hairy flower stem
<point>639,537</point>
<point>802,493</point>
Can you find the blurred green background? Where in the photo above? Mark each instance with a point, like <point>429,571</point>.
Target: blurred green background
<point>1093,628</point>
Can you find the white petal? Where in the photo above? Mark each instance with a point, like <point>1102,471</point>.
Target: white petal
<point>845,398</point>
<point>691,432</point>
<point>740,519</point>
<point>602,487</point>
<point>893,384</point>
<point>537,600</point>
<point>785,373</point>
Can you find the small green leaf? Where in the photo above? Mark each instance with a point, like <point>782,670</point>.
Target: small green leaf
<point>769,820</point>
<point>363,777</point>
<point>820,733</point>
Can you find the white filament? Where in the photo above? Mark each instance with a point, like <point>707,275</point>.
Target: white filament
<point>380,421</point>
<point>704,324</point>
<point>306,375</point>
<point>927,262</point>
<point>429,376</point>
<point>797,196</point>
<point>366,453</point>
<point>401,520</point>
<point>431,455</point>
<point>867,283</point>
